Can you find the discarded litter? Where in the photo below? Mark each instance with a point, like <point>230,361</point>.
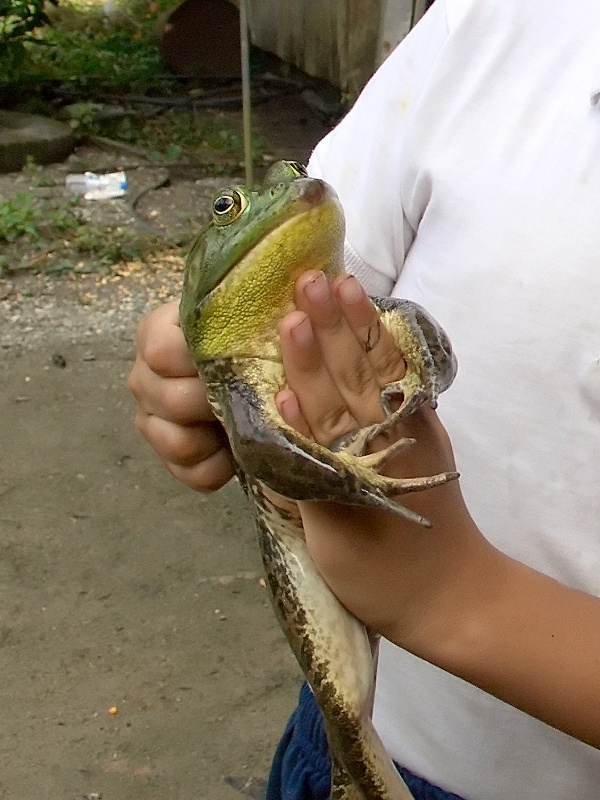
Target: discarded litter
<point>97,187</point>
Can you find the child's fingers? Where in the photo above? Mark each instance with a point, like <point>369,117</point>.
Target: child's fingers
<point>289,408</point>
<point>161,345</point>
<point>341,353</point>
<point>361,315</point>
<point>322,411</point>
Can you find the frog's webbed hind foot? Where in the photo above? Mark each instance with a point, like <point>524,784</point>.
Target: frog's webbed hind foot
<point>301,469</point>
<point>352,449</point>
<point>367,470</point>
<point>357,444</point>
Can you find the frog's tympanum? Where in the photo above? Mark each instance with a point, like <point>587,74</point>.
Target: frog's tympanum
<point>239,283</point>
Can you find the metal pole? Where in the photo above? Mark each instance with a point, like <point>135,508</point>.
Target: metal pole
<point>246,101</point>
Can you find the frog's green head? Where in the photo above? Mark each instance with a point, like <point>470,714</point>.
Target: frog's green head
<point>240,273</point>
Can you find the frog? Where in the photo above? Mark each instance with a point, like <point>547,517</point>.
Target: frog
<point>239,281</point>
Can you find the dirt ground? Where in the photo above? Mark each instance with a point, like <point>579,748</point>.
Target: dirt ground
<point>139,654</point>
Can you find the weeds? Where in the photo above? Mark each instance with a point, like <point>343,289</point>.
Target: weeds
<point>114,245</point>
<point>102,61</point>
<point>56,239</point>
<point>17,218</point>
<point>205,138</point>
<point>23,216</point>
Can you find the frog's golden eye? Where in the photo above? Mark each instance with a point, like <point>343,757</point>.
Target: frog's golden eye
<point>228,206</point>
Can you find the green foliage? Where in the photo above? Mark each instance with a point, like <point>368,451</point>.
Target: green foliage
<point>23,217</point>
<point>101,61</point>
<point>111,246</point>
<point>180,135</point>
<point>83,119</point>
<point>60,234</point>
<point>18,217</point>
<point>38,176</point>
<point>18,20</point>
<point>82,48</point>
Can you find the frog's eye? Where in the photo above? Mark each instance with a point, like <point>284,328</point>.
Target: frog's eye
<point>228,206</point>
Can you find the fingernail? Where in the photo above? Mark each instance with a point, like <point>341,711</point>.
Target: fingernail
<point>288,406</point>
<point>302,333</point>
<point>350,290</point>
<point>317,290</point>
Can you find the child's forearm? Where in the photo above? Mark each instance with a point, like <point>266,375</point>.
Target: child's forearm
<point>521,636</point>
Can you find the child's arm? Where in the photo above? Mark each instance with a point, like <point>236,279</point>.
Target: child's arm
<point>445,594</point>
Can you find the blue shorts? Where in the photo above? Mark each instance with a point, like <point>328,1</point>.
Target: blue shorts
<point>301,767</point>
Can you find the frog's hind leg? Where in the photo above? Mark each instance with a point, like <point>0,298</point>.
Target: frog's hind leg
<point>333,650</point>
<point>430,362</point>
<point>342,785</point>
<point>301,469</point>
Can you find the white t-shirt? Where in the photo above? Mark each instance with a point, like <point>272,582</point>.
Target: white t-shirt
<point>469,170</point>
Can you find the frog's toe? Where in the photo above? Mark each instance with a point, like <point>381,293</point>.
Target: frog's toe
<point>376,461</point>
<point>392,486</point>
<point>357,443</point>
<point>402,398</point>
<point>383,490</point>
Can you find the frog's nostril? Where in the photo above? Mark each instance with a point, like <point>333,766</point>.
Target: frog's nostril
<point>314,191</point>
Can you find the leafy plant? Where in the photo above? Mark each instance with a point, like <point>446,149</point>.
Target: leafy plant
<point>98,60</point>
<point>111,246</point>
<point>38,177</point>
<point>18,20</point>
<point>18,218</point>
<point>53,239</point>
<point>101,47</point>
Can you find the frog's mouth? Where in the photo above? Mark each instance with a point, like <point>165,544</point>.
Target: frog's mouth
<point>314,197</point>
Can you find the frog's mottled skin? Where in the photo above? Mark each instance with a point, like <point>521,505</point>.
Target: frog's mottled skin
<point>239,283</point>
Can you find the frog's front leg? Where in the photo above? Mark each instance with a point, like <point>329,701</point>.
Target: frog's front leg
<point>298,468</point>
<point>430,367</point>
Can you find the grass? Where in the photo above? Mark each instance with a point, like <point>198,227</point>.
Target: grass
<point>33,233</point>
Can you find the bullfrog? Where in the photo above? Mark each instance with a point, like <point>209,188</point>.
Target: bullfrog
<point>238,283</point>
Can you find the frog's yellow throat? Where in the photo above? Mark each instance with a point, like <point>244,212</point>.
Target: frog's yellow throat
<point>240,316</point>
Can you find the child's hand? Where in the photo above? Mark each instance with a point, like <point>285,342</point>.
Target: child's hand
<point>380,566</point>
<point>173,412</point>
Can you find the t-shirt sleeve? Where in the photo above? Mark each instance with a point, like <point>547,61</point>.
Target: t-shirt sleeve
<point>362,157</point>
